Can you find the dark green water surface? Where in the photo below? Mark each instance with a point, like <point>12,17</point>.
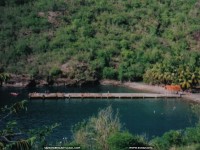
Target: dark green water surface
<point>151,117</point>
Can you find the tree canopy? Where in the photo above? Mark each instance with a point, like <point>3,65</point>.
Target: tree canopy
<point>122,39</point>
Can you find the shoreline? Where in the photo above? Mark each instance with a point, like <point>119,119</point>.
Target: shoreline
<point>151,88</point>
<point>192,97</point>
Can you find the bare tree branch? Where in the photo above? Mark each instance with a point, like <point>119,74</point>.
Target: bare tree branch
<point>6,140</point>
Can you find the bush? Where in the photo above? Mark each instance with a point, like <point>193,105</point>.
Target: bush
<point>192,135</point>
<point>160,144</point>
<point>22,48</point>
<point>173,137</point>
<point>124,140</point>
<point>177,138</point>
<point>94,133</point>
<point>169,139</point>
<point>109,73</point>
<point>34,72</point>
<point>55,71</point>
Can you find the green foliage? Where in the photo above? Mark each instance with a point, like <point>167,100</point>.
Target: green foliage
<point>187,77</point>
<point>188,147</point>
<point>15,108</point>
<point>33,72</point>
<point>170,139</point>
<point>192,135</point>
<point>55,71</point>
<point>39,135</point>
<point>94,133</point>
<point>13,138</point>
<point>124,140</point>
<point>173,137</point>
<point>109,73</point>
<point>21,145</point>
<point>126,38</point>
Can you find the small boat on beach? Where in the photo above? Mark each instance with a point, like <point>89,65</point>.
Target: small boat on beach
<point>14,94</point>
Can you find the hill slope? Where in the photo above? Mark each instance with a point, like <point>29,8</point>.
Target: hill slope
<point>94,39</point>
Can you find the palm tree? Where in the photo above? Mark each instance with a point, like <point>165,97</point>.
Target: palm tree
<point>167,78</point>
<point>188,78</point>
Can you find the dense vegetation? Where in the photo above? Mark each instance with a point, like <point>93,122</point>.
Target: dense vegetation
<point>93,39</point>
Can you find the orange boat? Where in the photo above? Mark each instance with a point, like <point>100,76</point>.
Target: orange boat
<point>173,87</point>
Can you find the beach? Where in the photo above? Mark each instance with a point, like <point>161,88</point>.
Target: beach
<point>194,97</point>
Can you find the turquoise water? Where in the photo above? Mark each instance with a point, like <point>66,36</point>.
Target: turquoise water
<point>151,117</point>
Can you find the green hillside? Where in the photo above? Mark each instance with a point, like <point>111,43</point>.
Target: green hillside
<point>154,40</point>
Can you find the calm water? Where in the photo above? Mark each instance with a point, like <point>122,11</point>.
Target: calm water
<point>151,117</point>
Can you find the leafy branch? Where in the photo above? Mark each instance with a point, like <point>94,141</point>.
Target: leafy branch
<point>11,137</point>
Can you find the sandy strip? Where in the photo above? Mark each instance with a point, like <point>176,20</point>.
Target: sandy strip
<point>195,97</point>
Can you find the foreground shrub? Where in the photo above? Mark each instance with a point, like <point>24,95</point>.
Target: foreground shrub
<point>55,71</point>
<point>192,135</point>
<point>169,139</point>
<point>94,133</point>
<point>124,140</point>
<point>109,73</point>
